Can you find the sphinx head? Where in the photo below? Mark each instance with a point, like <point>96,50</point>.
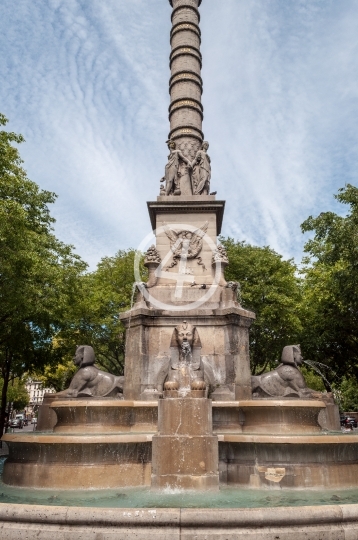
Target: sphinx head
<point>292,355</point>
<point>185,335</point>
<point>84,356</point>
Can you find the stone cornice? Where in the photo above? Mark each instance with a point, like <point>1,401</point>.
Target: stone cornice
<point>184,205</point>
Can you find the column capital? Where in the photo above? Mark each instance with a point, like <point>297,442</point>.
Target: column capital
<point>171,2</point>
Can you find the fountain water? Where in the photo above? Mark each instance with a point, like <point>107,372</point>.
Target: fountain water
<point>188,415</point>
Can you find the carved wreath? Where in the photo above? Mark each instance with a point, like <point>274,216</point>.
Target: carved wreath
<point>186,242</point>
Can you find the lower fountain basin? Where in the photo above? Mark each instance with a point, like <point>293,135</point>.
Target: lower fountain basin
<point>78,461</point>
<point>255,461</point>
<point>315,461</point>
<point>104,443</point>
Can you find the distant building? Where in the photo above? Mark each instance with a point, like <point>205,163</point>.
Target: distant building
<point>36,394</point>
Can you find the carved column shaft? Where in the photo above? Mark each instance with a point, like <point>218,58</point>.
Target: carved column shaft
<point>185,85</point>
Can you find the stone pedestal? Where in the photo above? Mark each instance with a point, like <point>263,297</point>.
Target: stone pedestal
<point>185,452</point>
<point>224,334</point>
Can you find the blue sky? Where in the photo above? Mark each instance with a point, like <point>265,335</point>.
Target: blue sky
<point>86,83</point>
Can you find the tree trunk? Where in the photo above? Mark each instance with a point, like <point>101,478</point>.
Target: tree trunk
<point>6,377</point>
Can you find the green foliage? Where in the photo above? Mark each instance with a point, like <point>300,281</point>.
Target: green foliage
<point>58,376</point>
<point>105,293</point>
<point>313,380</point>
<point>270,288</point>
<point>347,392</point>
<point>330,292</point>
<point>39,275</point>
<point>16,394</point>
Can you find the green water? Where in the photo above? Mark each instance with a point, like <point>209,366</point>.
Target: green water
<point>227,497</point>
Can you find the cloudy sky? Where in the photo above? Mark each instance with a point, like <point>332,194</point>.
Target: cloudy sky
<point>86,83</point>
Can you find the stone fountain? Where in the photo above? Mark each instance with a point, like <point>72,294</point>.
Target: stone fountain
<point>187,414</point>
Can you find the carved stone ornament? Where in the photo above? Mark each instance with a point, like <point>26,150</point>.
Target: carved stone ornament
<point>89,381</point>
<point>189,148</point>
<point>201,175</point>
<point>220,256</point>
<point>185,177</point>
<point>173,170</point>
<point>286,381</point>
<point>186,372</point>
<point>152,256</point>
<point>186,243</point>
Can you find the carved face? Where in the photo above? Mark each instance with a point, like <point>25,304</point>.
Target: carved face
<point>185,335</point>
<point>78,358</point>
<point>84,356</point>
<point>205,146</point>
<point>171,145</point>
<point>297,356</point>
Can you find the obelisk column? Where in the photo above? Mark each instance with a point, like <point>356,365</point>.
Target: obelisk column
<point>186,85</point>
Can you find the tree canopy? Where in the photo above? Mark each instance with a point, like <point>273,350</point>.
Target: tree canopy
<point>39,275</point>
<point>269,287</point>
<point>330,290</point>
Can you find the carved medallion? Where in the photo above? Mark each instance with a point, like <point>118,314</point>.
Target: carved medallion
<point>186,244</point>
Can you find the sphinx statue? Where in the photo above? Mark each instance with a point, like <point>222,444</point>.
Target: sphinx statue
<point>89,381</point>
<point>286,381</point>
<point>186,372</point>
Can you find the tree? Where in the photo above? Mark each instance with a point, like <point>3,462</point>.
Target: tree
<point>16,394</point>
<point>105,293</point>
<point>58,376</point>
<point>330,292</point>
<point>269,287</point>
<point>347,394</point>
<point>39,275</point>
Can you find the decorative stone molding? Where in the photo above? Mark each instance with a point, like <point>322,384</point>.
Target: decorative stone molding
<point>152,261</point>
<point>152,256</point>
<point>220,256</point>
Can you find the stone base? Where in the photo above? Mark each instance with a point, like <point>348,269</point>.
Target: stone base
<point>334,522</point>
<point>46,418</point>
<point>193,394</point>
<point>185,453</point>
<point>185,462</point>
<point>329,418</point>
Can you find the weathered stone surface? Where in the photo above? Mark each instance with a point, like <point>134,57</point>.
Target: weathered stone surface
<point>275,416</point>
<point>225,351</point>
<point>185,417</point>
<point>329,418</point>
<point>336,522</point>
<point>46,417</point>
<point>105,416</point>
<point>185,453</point>
<point>70,462</point>
<point>293,461</point>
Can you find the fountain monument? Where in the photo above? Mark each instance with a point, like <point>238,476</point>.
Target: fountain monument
<point>187,414</point>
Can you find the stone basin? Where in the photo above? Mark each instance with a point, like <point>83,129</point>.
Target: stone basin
<point>104,416</point>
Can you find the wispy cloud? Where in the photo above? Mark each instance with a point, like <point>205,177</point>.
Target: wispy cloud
<point>87,84</point>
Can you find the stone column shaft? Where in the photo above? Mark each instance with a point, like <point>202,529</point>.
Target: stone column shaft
<point>186,85</point>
